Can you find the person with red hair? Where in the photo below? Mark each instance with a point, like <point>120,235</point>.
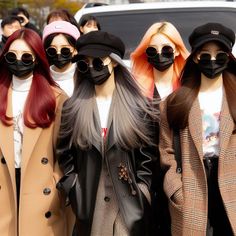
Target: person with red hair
<point>30,109</point>
<point>158,60</point>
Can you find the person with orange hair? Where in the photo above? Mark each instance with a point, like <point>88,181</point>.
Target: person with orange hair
<point>159,59</point>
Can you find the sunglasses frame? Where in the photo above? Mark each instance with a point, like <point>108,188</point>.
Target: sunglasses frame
<point>9,62</point>
<point>50,55</point>
<point>88,64</point>
<point>215,56</point>
<point>156,52</point>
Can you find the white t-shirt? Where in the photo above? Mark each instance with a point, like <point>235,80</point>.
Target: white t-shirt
<point>163,91</point>
<point>103,109</point>
<point>65,79</point>
<point>20,90</point>
<point>210,105</point>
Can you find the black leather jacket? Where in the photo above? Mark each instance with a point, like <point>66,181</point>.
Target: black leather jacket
<point>81,176</point>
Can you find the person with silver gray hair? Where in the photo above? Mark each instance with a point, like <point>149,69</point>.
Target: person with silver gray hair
<point>106,142</point>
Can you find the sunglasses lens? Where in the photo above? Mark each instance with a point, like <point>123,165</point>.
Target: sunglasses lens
<point>65,52</point>
<point>52,52</point>
<point>10,57</point>
<point>21,19</point>
<point>98,64</point>
<point>167,51</point>
<point>205,57</point>
<point>82,66</point>
<point>222,57</point>
<point>151,52</point>
<point>27,59</point>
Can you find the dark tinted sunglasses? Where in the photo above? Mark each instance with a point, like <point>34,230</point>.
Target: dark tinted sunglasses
<point>52,52</point>
<point>26,58</point>
<point>83,65</point>
<point>21,19</point>
<point>166,51</point>
<point>221,57</point>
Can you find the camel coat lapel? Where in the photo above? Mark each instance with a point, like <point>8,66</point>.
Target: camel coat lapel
<point>226,127</point>
<point>7,143</point>
<point>195,127</point>
<point>30,139</point>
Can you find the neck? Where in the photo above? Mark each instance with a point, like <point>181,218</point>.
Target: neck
<point>163,77</point>
<point>66,67</point>
<point>106,89</point>
<point>21,85</point>
<point>210,84</point>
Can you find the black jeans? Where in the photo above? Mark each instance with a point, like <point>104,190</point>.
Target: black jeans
<point>218,222</point>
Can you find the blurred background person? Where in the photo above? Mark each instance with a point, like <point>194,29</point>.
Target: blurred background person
<point>61,14</point>
<point>59,39</point>
<point>158,60</point>
<point>88,23</point>
<point>24,16</point>
<point>9,25</point>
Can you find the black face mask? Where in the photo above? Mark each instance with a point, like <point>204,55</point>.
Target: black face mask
<point>19,69</point>
<point>160,62</point>
<point>212,68</point>
<point>96,77</point>
<point>60,61</point>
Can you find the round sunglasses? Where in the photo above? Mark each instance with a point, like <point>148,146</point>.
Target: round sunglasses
<point>220,57</point>
<point>166,51</point>
<point>83,65</point>
<point>64,51</point>
<point>26,58</point>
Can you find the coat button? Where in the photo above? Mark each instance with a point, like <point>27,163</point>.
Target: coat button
<point>3,160</point>
<point>44,161</point>
<point>46,191</point>
<point>48,214</point>
<point>106,199</point>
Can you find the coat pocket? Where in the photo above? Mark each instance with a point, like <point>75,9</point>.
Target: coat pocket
<point>176,200</point>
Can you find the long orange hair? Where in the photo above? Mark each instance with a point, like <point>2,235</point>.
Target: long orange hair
<point>143,70</point>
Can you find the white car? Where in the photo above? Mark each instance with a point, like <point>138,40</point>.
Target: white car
<point>130,21</point>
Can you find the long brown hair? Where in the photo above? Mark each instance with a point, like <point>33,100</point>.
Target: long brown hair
<point>180,102</point>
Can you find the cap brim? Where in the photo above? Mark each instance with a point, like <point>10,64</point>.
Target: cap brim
<point>93,52</point>
<point>210,39</point>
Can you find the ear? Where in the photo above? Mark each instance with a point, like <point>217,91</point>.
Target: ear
<point>81,29</point>
<point>114,63</point>
<point>195,58</point>
<point>177,52</point>
<point>74,53</point>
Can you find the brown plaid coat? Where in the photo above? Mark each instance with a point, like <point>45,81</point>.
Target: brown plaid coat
<point>187,192</point>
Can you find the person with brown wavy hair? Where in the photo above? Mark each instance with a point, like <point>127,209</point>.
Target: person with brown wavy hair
<point>203,113</point>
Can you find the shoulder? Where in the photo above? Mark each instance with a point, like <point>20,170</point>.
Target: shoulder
<point>60,95</point>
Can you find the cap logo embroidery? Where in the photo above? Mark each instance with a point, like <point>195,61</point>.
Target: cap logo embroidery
<point>58,26</point>
<point>215,32</point>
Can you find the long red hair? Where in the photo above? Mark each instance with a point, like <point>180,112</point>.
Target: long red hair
<point>143,70</point>
<point>39,110</point>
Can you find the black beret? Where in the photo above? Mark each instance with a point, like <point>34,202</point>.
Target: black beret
<point>99,44</point>
<point>212,32</point>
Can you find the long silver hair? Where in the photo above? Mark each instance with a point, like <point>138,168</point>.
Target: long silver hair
<point>133,115</point>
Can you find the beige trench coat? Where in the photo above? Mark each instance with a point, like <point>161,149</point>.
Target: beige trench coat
<point>41,209</point>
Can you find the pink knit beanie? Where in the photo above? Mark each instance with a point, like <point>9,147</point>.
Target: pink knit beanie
<point>63,27</point>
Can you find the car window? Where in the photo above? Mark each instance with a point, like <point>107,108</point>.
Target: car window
<point>131,25</point>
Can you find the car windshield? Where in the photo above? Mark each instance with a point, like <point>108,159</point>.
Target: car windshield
<point>131,25</point>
